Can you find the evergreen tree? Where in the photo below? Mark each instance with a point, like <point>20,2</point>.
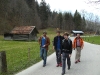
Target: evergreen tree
<point>54,19</point>
<point>44,13</point>
<point>83,27</point>
<point>3,16</point>
<point>68,21</point>
<point>60,20</point>
<point>77,20</point>
<point>37,7</point>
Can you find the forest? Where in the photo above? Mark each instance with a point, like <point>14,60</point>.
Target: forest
<point>30,12</point>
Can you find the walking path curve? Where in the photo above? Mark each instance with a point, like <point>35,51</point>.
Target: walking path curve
<point>89,65</point>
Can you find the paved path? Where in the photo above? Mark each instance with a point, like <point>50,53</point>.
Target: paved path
<point>89,65</point>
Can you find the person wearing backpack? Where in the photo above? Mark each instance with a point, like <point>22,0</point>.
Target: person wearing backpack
<point>78,45</point>
<point>66,52</point>
<point>57,42</point>
<point>44,42</point>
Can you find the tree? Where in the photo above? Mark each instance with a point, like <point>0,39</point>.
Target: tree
<point>60,20</point>
<point>68,21</point>
<point>77,20</point>
<point>83,27</point>
<point>54,19</point>
<point>44,13</point>
<point>94,3</point>
<point>3,16</point>
<point>37,7</point>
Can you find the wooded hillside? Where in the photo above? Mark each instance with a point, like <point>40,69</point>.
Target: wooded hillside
<point>30,12</point>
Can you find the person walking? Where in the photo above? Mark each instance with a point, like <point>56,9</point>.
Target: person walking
<point>44,42</point>
<point>57,42</point>
<point>78,45</point>
<point>66,52</point>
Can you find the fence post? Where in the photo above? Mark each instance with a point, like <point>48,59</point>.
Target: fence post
<point>3,62</point>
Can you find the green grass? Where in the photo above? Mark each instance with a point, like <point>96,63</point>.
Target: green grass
<point>17,52</point>
<point>93,39</point>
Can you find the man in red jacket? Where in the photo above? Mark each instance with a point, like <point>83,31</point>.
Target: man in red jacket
<point>78,45</point>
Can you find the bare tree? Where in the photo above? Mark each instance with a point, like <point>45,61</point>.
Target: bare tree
<point>94,3</point>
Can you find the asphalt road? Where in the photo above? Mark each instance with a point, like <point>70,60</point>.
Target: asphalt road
<point>89,65</point>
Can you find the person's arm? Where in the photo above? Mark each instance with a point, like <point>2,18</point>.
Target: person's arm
<point>54,43</point>
<point>39,40</point>
<point>48,42</point>
<point>73,44</point>
<point>82,44</point>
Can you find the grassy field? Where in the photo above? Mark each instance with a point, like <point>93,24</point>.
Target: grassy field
<point>93,39</point>
<point>18,55</point>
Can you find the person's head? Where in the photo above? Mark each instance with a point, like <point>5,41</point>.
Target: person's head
<point>58,33</point>
<point>78,35</point>
<point>66,35</point>
<point>44,33</point>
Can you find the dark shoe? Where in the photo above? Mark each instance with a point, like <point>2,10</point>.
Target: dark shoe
<point>44,65</point>
<point>68,68</point>
<point>57,65</point>
<point>76,62</point>
<point>62,73</point>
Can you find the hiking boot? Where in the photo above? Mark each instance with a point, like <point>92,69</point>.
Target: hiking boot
<point>79,61</point>
<point>44,65</point>
<point>68,68</point>
<point>76,62</point>
<point>62,73</point>
<point>60,65</point>
<point>57,65</point>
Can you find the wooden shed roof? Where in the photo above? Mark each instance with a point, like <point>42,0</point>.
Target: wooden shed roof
<point>77,31</point>
<point>23,30</point>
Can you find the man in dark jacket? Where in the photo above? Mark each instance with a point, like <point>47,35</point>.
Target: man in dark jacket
<point>57,46</point>
<point>66,52</point>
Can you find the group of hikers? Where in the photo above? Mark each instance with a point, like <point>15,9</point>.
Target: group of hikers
<point>63,47</point>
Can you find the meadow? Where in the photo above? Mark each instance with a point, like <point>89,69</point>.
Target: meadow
<point>92,39</point>
<point>22,54</point>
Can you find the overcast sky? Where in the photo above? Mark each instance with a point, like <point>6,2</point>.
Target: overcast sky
<point>72,5</point>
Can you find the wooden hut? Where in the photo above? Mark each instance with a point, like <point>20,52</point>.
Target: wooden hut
<point>22,33</point>
<point>74,32</point>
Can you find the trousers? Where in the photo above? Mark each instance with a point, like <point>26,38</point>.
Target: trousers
<point>78,53</point>
<point>58,56</point>
<point>43,54</point>
<point>64,56</point>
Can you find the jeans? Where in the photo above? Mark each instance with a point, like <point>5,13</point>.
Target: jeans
<point>43,55</point>
<point>58,56</point>
<point>64,56</point>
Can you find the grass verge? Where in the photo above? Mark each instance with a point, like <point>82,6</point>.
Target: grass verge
<point>22,54</point>
<point>92,39</point>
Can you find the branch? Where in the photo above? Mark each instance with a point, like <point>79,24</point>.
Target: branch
<point>95,2</point>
